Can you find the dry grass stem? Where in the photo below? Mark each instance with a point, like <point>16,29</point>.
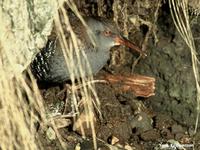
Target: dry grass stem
<point>69,48</point>
<point>180,15</point>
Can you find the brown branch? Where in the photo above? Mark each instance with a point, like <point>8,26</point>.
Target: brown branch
<point>141,86</point>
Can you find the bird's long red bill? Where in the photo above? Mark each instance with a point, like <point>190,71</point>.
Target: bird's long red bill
<point>126,42</point>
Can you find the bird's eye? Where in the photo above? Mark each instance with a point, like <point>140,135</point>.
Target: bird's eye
<point>107,33</point>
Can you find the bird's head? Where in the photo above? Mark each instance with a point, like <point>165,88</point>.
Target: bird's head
<point>107,35</point>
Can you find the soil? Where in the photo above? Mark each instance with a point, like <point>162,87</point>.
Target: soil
<point>127,121</point>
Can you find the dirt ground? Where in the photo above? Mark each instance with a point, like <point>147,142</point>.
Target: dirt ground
<point>164,120</point>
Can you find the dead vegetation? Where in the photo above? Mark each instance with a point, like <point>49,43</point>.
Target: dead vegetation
<point>21,104</point>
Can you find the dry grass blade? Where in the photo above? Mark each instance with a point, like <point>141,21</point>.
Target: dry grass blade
<point>69,48</point>
<point>18,104</point>
<point>179,11</point>
<point>19,100</point>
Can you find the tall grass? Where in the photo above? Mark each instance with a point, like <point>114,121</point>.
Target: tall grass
<point>21,105</point>
<point>19,99</point>
<point>18,103</point>
<point>88,92</point>
<point>180,15</point>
